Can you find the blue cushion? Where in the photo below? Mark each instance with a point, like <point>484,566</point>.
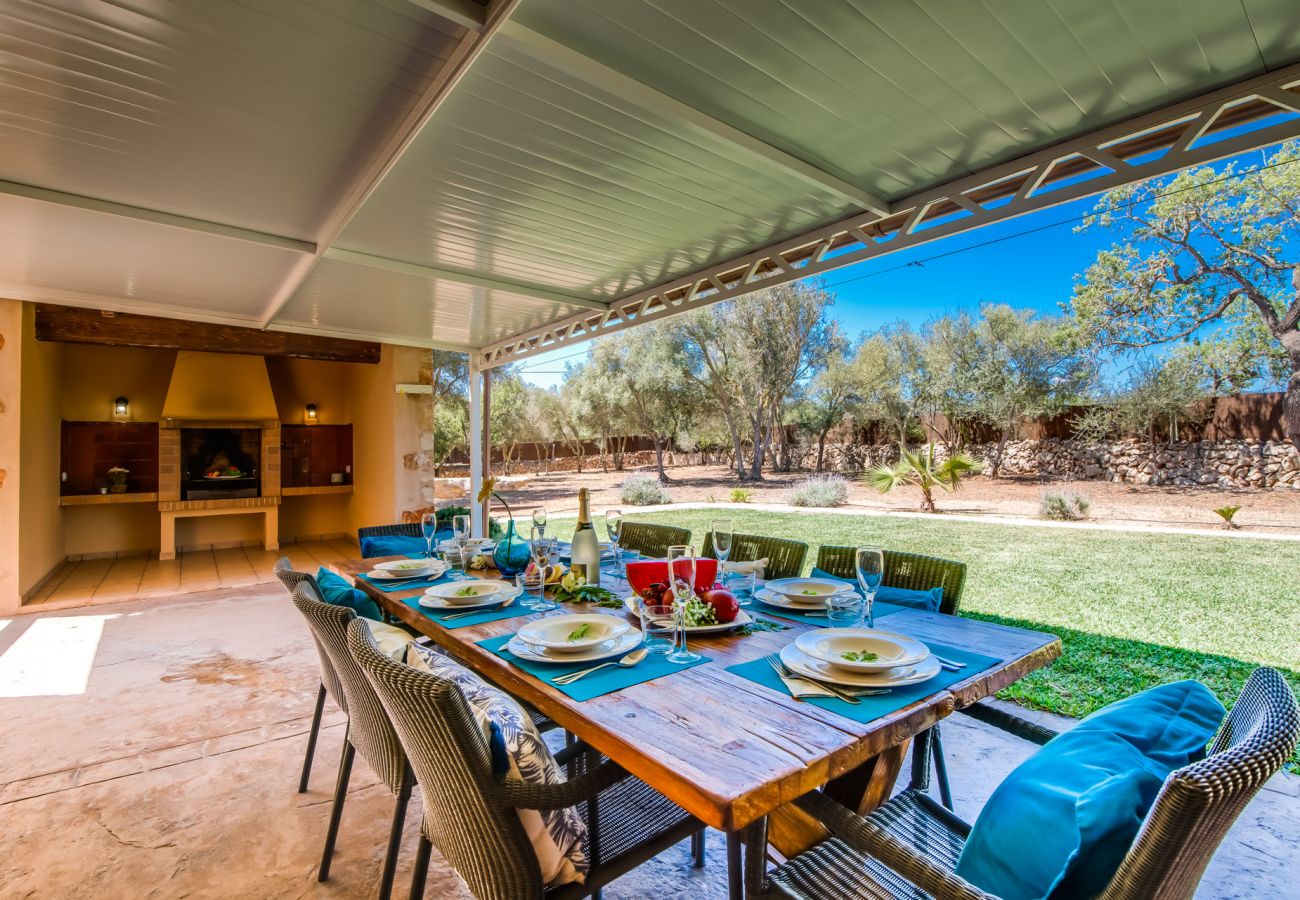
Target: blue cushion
<point>1061,822</point>
<point>398,544</point>
<point>335,589</point>
<point>930,600</point>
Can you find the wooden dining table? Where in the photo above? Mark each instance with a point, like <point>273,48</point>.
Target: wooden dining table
<point>727,749</point>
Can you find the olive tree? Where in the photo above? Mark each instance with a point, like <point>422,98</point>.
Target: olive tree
<point>1204,253</point>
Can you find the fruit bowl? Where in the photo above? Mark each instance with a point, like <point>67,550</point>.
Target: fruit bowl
<point>645,572</point>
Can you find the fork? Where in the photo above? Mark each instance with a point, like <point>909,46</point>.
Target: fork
<point>781,669</point>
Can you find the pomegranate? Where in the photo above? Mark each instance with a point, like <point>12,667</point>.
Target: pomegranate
<point>724,603</point>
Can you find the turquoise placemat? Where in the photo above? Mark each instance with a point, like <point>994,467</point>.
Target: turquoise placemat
<point>488,615</point>
<point>606,681</point>
<point>870,708</point>
<point>390,587</point>
<point>878,609</point>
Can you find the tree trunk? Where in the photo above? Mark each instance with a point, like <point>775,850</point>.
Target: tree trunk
<point>620,447</point>
<point>659,459</point>
<point>821,448</point>
<point>738,460</point>
<point>927,499</point>
<point>1291,400</point>
<point>760,449</point>
<point>997,454</point>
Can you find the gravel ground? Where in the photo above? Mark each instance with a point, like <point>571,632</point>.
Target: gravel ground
<point>1273,512</point>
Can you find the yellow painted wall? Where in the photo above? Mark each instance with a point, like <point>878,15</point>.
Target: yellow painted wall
<point>297,382</point>
<point>380,420</point>
<point>94,376</point>
<point>127,528</point>
<point>11,359</point>
<point>40,537</point>
<point>306,518</point>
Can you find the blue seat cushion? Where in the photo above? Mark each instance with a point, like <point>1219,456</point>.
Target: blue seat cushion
<point>930,600</point>
<point>334,588</point>
<point>1059,825</point>
<point>398,544</point>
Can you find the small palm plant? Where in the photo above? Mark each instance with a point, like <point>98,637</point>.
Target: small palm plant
<point>919,469</point>
<point>1226,513</point>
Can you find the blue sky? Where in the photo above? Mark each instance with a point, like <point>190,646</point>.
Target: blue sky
<point>1027,262</point>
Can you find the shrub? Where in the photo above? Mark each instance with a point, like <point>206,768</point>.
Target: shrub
<point>1226,513</point>
<point>1064,508</point>
<point>643,490</point>
<point>819,490</point>
<point>921,471</point>
<point>741,495</point>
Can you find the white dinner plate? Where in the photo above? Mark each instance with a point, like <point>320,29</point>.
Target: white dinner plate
<point>892,649</point>
<point>462,593</point>
<point>617,647</point>
<point>742,618</point>
<point>803,664</point>
<point>472,546</point>
<point>492,600</point>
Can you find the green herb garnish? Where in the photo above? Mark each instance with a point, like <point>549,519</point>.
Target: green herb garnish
<point>467,591</point>
<point>580,632</point>
<point>860,656</point>
<point>761,625</point>
<point>809,592</point>
<point>589,593</point>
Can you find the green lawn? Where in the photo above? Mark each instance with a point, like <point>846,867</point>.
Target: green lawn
<point>1132,609</point>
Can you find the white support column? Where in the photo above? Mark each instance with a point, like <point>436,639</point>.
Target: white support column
<point>478,516</point>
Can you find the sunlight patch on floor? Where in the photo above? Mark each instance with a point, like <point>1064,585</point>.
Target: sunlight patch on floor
<point>53,658</point>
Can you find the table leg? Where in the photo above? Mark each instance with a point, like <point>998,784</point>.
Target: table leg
<point>735,867</point>
<point>870,784</point>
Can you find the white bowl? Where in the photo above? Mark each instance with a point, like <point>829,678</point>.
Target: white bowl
<point>807,590</point>
<point>573,633</point>
<point>466,592</point>
<point>405,568</point>
<point>891,650</point>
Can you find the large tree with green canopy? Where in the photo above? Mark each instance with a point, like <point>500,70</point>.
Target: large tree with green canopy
<point>1208,256</point>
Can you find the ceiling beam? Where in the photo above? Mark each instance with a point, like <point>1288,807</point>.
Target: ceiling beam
<point>574,63</point>
<point>459,276</point>
<point>465,13</point>
<point>394,339</point>
<point>89,326</point>
<point>154,216</point>
<point>1112,157</point>
<point>350,202</point>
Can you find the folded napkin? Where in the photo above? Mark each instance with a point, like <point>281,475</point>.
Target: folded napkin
<point>803,688</point>
<point>755,567</point>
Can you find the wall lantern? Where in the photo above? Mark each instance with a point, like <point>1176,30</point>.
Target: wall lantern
<point>311,413</point>
<point>121,408</point>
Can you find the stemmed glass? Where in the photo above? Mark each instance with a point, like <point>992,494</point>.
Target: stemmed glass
<point>722,546</point>
<point>541,550</point>
<point>539,521</point>
<point>681,574</point>
<point>429,528</point>
<point>613,525</point>
<point>869,562</point>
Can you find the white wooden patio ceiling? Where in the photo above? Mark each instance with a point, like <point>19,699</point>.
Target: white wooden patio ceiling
<point>511,178</point>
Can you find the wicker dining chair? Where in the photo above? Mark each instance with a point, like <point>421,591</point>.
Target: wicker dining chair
<point>915,572</point>
<point>329,679</point>
<point>784,556</point>
<point>652,541</point>
<point>909,847</point>
<point>471,815</point>
<point>369,730</point>
<point>402,529</point>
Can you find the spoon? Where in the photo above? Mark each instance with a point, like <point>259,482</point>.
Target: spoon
<point>626,662</point>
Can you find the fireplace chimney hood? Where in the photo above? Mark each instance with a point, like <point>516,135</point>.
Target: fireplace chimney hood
<point>219,387</point>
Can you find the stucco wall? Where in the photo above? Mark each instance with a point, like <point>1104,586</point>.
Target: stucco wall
<point>40,540</point>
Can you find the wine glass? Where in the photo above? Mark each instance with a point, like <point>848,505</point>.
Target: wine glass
<point>429,528</point>
<point>613,525</point>
<point>539,521</point>
<point>722,535</point>
<point>869,562</point>
<point>681,575</point>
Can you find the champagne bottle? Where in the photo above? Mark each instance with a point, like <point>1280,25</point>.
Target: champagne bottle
<point>586,548</point>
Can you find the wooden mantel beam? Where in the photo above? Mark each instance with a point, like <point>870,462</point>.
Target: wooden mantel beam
<point>89,326</point>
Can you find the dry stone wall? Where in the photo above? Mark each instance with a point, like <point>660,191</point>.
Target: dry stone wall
<point>1226,464</point>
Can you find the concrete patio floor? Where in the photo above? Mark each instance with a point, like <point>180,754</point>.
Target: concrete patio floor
<point>153,746</point>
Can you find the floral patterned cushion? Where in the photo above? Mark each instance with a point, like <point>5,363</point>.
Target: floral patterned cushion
<point>557,836</point>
